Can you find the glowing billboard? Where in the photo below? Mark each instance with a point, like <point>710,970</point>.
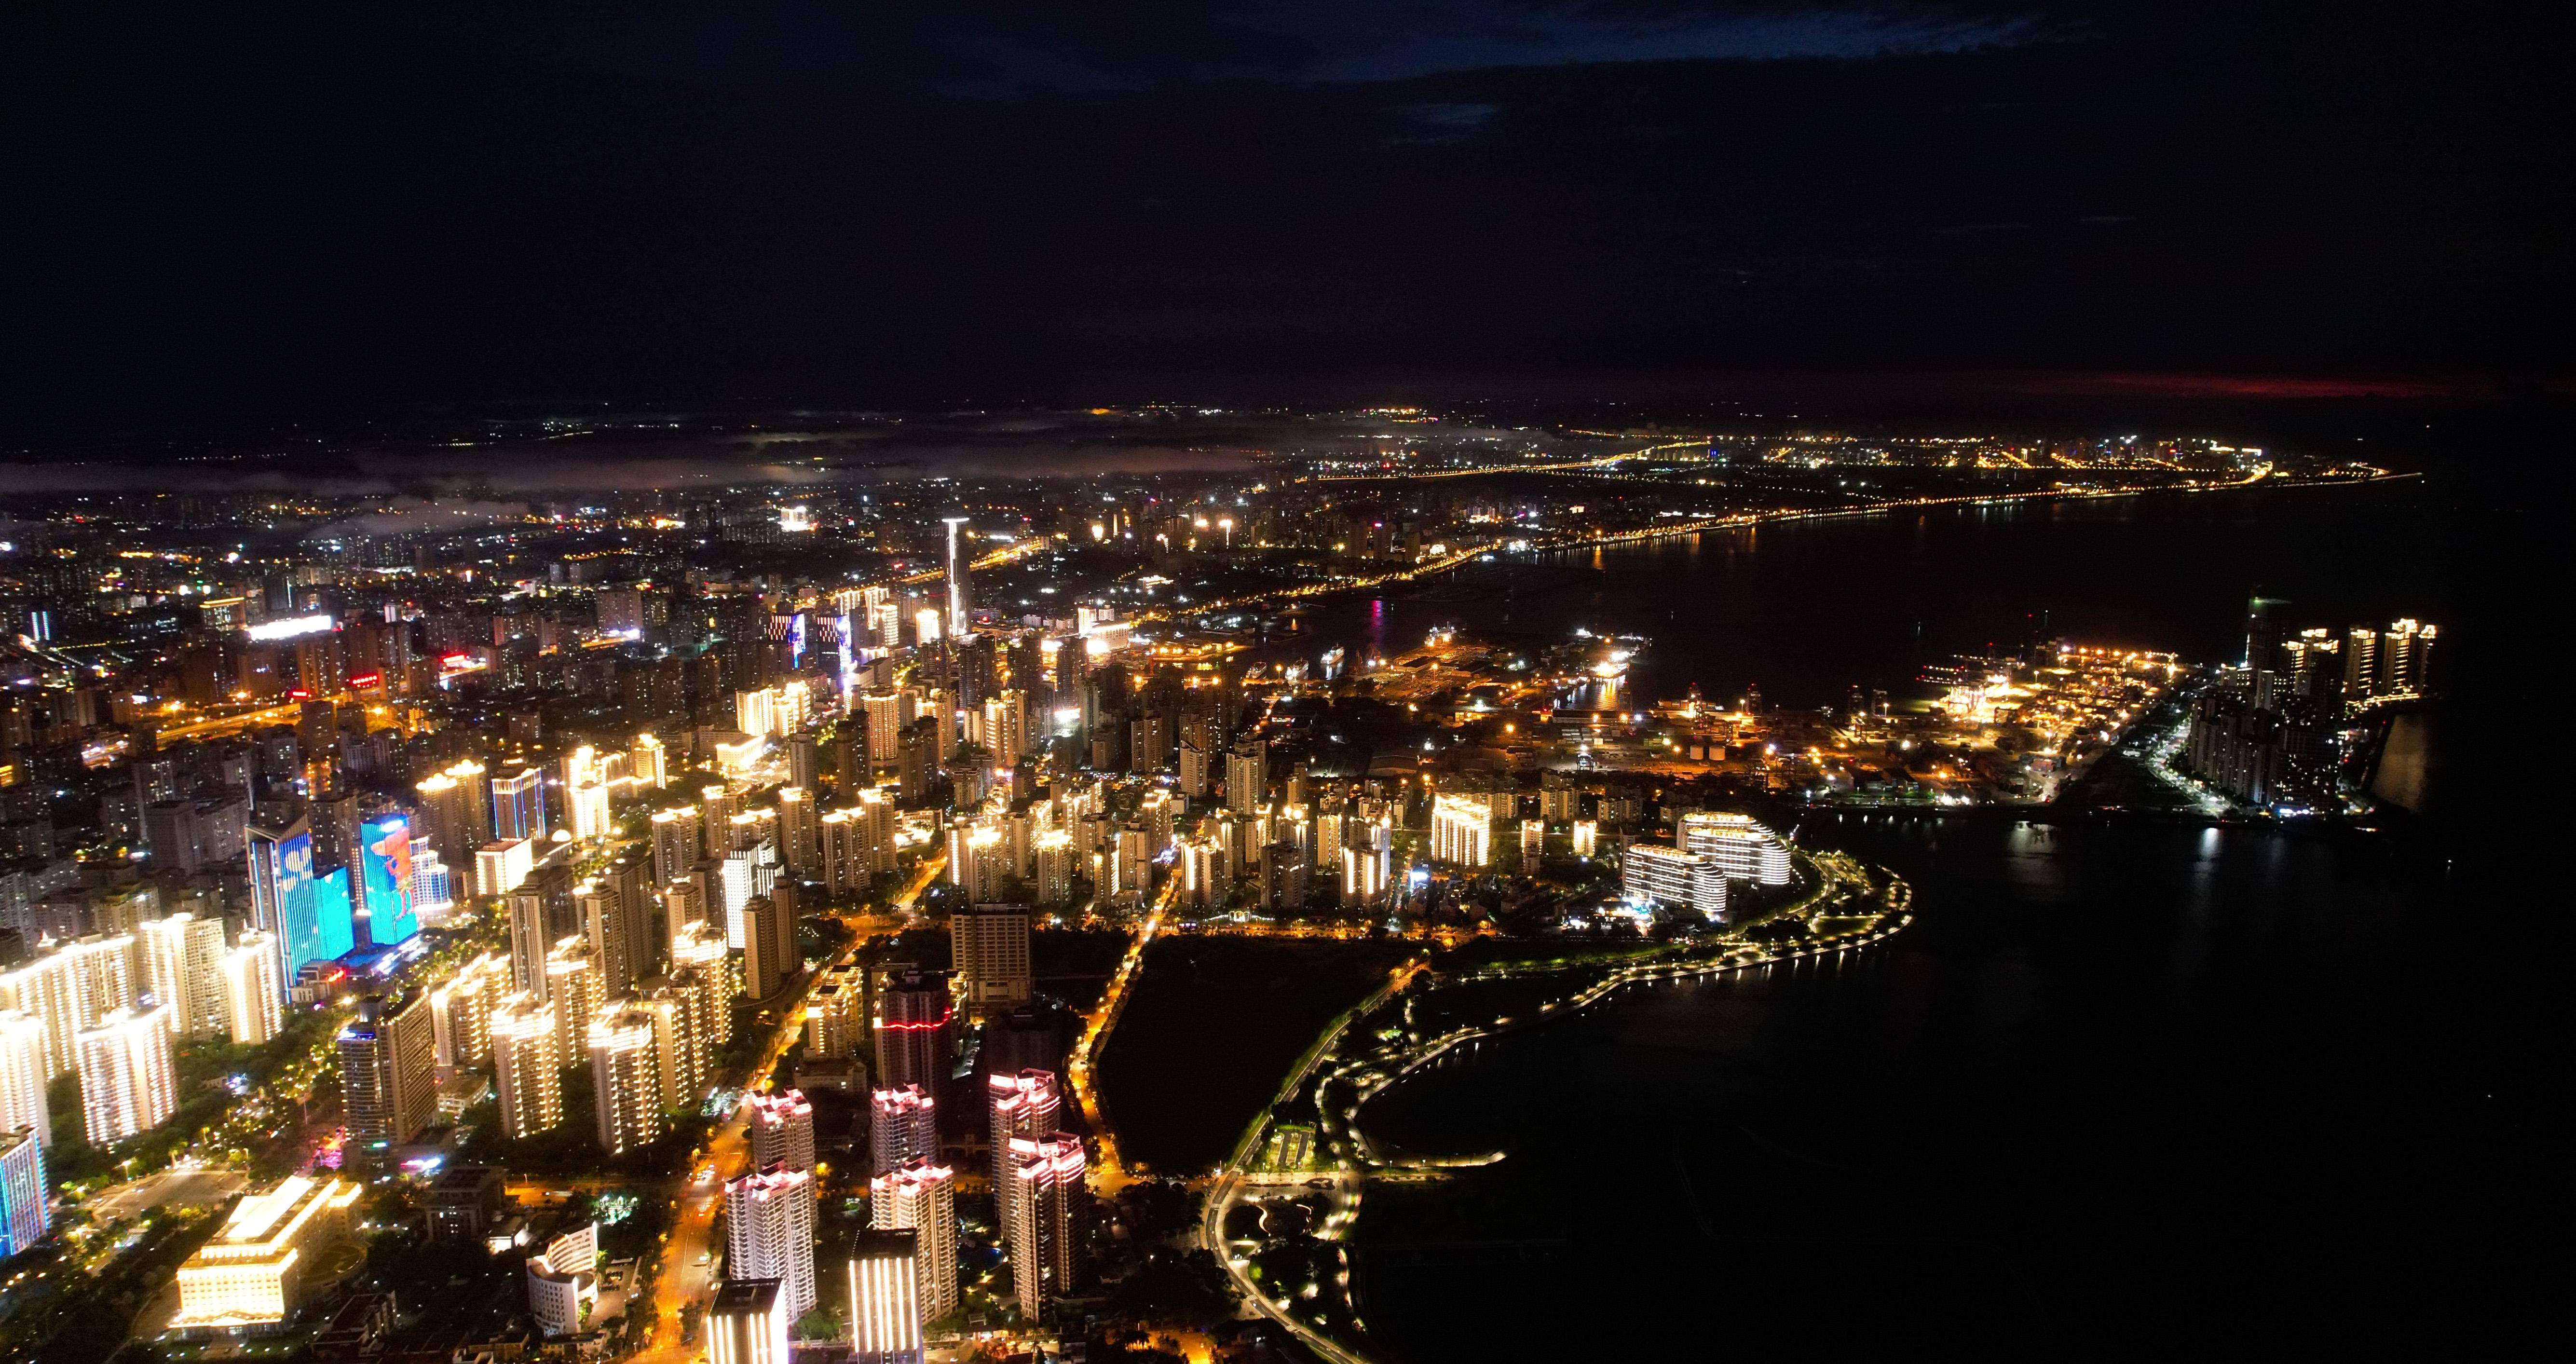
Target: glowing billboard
<point>288,628</point>
<point>384,862</point>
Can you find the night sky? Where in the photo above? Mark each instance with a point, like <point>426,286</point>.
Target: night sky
<point>236,205</point>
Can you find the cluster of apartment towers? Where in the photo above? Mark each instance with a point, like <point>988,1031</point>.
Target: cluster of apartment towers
<point>903,1272</point>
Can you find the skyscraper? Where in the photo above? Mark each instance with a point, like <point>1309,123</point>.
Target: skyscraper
<point>885,1296</point>
<point>915,1011</point>
<point>1021,1105</point>
<point>903,1127</point>
<point>22,1076</point>
<point>676,843</point>
<point>127,1082</point>
<point>1044,1222</point>
<point>2263,645</point>
<point>770,957</point>
<point>799,830</point>
<point>281,887</point>
<point>960,597</point>
<point>747,1323</point>
<point>519,805</point>
<point>921,1195</point>
<point>182,967</point>
<point>769,1232</point>
<point>782,1131</point>
<point>388,1059</point>
<point>626,1080</point>
<point>1247,776</point>
<point>1462,831</point>
<point>251,989</point>
<point>989,945</point>
<point>527,1067</point>
<point>617,918</point>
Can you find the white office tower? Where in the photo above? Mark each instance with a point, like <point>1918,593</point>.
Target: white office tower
<point>885,1297</point>
<point>626,1077</point>
<point>921,1196</point>
<point>754,712</point>
<point>252,990</point>
<point>989,949</point>
<point>769,1233</point>
<point>1045,1177</point>
<point>903,1127</point>
<point>22,1076</point>
<point>127,1082</point>
<point>1670,876</point>
<point>1462,831</point>
<point>782,1131</point>
<point>1748,851</point>
<point>527,1066</point>
<point>747,1323</point>
<point>181,967</point>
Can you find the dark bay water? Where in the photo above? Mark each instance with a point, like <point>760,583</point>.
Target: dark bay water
<point>1806,610</point>
<point>2124,1088</point>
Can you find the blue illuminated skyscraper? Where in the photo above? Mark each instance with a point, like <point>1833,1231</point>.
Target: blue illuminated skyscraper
<point>23,1216</point>
<point>335,918</point>
<point>282,892</point>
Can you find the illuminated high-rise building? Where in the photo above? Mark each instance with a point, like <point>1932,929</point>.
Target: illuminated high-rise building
<point>915,1014</point>
<point>1462,831</point>
<point>903,1126</point>
<point>626,1079</point>
<point>769,1232</point>
<point>961,605</point>
<point>770,956</point>
<point>127,1082</point>
<point>616,916</point>
<point>574,987</point>
<point>1247,776</point>
<point>1024,1104</point>
<point>989,945</point>
<point>747,1323</point>
<point>22,1076</point>
<point>885,1297</point>
<point>461,1009</point>
<point>519,806</point>
<point>799,831</point>
<point>527,1067</point>
<point>388,1070</point>
<point>836,1016</point>
<point>25,1214</point>
<point>921,1196</point>
<point>677,843</point>
<point>251,990</point>
<point>781,1130</point>
<point>1045,1176</point>
<point>182,967</point>
<point>282,896</point>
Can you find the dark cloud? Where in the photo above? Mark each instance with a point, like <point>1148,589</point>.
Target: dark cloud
<point>285,206</point>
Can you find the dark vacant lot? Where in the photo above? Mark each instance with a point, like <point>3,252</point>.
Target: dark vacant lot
<point>1215,1025</point>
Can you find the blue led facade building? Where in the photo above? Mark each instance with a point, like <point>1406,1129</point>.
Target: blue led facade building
<point>335,917</point>
<point>23,1215</point>
<point>283,900</point>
